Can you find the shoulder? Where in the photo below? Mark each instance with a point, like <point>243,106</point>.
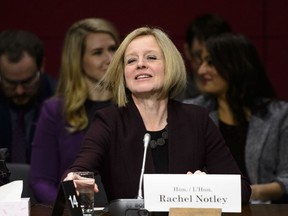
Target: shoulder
<point>184,110</point>
<point>278,105</point>
<point>108,114</point>
<point>278,109</point>
<point>274,109</point>
<point>201,100</point>
<point>276,112</point>
<point>51,82</point>
<point>190,118</point>
<point>54,101</point>
<point>184,105</point>
<point>52,105</point>
<point>195,100</point>
<point>114,115</point>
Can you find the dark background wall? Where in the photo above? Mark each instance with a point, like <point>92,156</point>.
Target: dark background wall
<point>263,21</point>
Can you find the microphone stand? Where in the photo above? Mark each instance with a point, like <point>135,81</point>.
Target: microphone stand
<point>125,207</point>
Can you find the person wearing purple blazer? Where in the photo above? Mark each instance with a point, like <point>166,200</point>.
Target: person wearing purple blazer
<point>88,49</point>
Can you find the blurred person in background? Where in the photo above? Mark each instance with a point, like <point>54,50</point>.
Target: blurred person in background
<point>23,88</point>
<point>242,102</point>
<point>199,30</point>
<point>87,52</point>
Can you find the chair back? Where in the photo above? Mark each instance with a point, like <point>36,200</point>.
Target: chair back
<point>21,171</point>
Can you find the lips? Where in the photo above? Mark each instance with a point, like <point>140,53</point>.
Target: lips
<point>205,79</point>
<point>142,76</point>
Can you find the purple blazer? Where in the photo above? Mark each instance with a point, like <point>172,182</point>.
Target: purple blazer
<point>113,147</point>
<point>53,151</point>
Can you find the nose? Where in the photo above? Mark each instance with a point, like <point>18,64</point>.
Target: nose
<point>19,90</point>
<point>109,56</point>
<point>141,63</point>
<point>202,69</point>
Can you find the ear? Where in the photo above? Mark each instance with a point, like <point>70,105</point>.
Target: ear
<point>187,51</point>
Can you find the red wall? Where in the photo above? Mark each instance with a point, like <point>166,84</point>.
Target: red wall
<point>264,21</point>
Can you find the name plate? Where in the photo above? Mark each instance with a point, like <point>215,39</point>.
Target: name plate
<point>164,191</point>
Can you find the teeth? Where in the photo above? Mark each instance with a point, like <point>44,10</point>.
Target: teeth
<point>142,76</point>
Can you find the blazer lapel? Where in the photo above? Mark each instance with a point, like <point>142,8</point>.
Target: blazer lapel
<point>133,146</point>
<point>214,116</point>
<point>256,137</point>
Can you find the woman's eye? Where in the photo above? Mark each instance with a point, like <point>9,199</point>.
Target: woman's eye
<point>210,62</point>
<point>113,49</point>
<point>151,57</point>
<point>130,61</point>
<point>98,52</point>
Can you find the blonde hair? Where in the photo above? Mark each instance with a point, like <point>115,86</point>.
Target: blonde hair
<point>175,73</point>
<point>72,86</point>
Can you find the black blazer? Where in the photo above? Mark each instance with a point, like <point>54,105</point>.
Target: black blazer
<point>113,147</point>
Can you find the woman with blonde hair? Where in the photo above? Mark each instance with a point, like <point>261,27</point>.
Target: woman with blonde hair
<point>145,76</point>
<point>88,48</point>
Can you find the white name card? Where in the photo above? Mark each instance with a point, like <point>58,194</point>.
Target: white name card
<point>164,191</point>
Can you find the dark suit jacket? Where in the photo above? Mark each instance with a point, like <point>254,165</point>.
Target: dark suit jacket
<point>47,89</point>
<point>114,147</point>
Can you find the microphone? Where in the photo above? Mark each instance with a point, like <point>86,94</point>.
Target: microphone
<point>146,141</point>
<point>124,207</point>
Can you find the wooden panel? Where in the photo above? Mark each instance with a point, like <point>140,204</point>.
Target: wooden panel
<point>194,212</point>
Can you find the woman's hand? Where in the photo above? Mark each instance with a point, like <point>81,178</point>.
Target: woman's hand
<point>266,192</point>
<point>77,184</point>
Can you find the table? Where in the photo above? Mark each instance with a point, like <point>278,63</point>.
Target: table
<point>247,210</point>
<point>262,210</point>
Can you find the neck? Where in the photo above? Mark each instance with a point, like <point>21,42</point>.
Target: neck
<point>225,113</point>
<point>95,92</point>
<point>153,112</point>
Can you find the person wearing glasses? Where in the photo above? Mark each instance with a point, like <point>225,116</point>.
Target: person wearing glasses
<point>241,100</point>
<point>23,88</point>
<point>198,31</point>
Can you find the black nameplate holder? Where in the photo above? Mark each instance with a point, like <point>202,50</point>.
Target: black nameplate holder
<point>67,195</point>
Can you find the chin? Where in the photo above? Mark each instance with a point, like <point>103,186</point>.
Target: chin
<point>21,101</point>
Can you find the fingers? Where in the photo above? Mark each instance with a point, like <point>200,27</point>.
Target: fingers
<point>96,188</point>
<point>69,176</point>
<point>199,172</point>
<point>196,172</point>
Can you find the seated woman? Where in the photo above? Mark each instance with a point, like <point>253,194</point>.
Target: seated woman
<point>145,76</point>
<point>242,102</point>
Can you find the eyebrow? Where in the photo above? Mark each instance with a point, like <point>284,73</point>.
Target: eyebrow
<point>145,52</point>
<point>20,81</point>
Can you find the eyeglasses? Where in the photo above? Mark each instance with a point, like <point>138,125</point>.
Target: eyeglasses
<point>27,83</point>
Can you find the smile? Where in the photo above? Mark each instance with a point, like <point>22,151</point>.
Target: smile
<point>142,76</point>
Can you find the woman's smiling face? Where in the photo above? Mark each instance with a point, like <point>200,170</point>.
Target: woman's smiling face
<point>144,66</point>
<point>208,79</point>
